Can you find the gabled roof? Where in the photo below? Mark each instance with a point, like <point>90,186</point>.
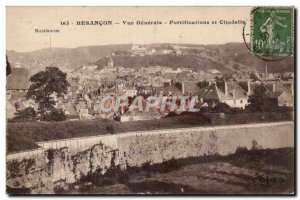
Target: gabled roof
<point>191,87</point>
<point>209,92</point>
<point>279,87</point>
<point>273,95</point>
<point>285,96</point>
<point>233,90</point>
<point>245,85</point>
<point>172,88</point>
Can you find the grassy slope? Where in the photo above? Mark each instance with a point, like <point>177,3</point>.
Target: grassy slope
<point>218,58</point>
<point>22,136</point>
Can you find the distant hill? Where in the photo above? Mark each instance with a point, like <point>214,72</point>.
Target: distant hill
<point>227,58</point>
<point>70,58</point>
<point>239,53</point>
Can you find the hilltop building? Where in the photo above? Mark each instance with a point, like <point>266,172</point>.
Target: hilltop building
<point>138,49</point>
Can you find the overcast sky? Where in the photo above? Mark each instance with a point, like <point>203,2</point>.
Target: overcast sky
<point>22,22</point>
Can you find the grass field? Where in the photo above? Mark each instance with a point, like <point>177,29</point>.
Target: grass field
<point>23,135</point>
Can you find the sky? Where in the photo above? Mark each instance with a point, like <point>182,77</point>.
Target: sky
<point>21,23</point>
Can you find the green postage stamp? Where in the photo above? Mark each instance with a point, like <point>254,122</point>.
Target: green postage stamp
<point>272,31</point>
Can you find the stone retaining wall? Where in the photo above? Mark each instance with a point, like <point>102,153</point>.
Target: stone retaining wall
<point>67,161</point>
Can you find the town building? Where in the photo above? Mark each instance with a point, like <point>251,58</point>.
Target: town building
<point>230,93</point>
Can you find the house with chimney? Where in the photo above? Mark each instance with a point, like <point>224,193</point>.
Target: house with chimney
<point>16,89</point>
<point>18,81</point>
<point>229,92</point>
<point>157,81</point>
<point>189,87</point>
<point>281,98</point>
<point>171,89</point>
<point>279,93</point>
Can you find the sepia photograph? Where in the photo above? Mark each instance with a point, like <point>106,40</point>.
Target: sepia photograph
<point>150,100</point>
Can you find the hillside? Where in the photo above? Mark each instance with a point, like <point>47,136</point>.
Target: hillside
<point>70,58</point>
<point>239,53</point>
<point>227,58</point>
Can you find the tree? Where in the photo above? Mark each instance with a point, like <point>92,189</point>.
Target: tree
<point>28,114</point>
<point>256,100</point>
<point>259,101</point>
<point>44,85</point>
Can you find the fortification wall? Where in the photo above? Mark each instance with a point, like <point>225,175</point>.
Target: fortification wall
<point>156,147</point>
<point>58,163</point>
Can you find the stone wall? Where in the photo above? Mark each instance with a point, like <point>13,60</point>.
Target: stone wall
<point>58,163</point>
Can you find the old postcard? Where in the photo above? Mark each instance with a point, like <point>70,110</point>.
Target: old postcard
<point>150,100</point>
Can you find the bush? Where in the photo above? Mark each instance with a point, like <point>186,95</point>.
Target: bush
<point>241,150</point>
<point>222,108</point>
<point>28,114</point>
<point>190,118</point>
<point>110,128</point>
<point>54,115</point>
<point>171,114</point>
